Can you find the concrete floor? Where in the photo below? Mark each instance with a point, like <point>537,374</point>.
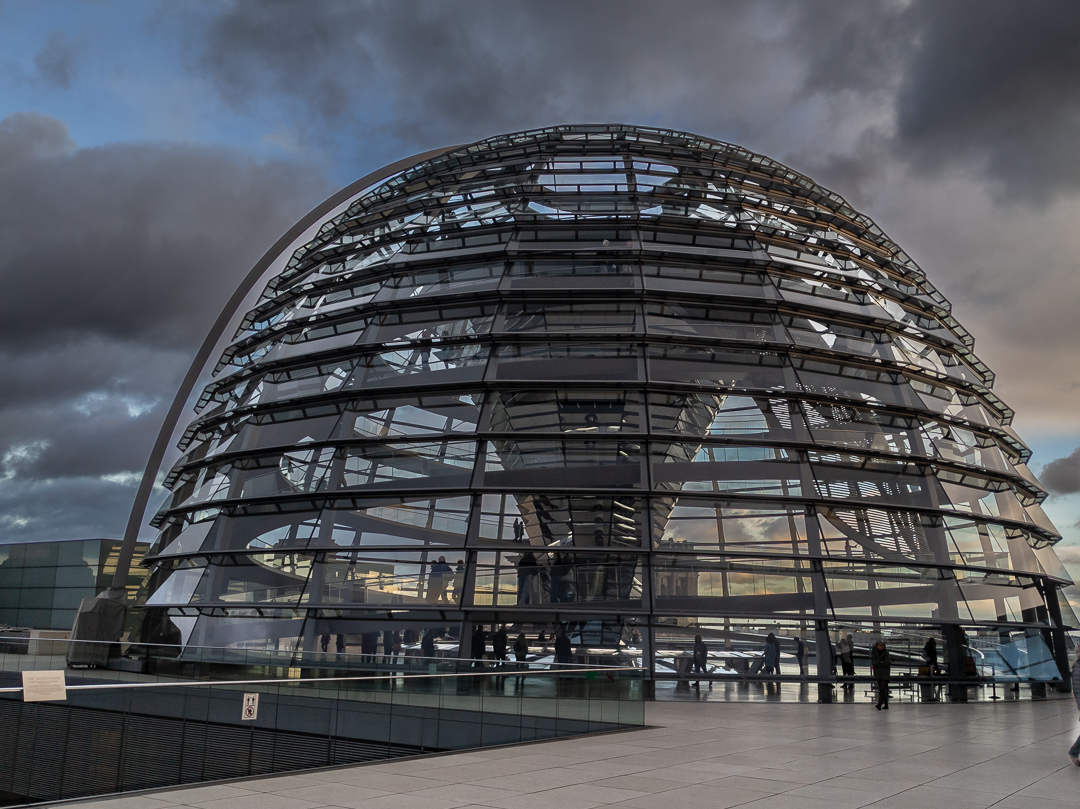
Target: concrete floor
<point>716,755</point>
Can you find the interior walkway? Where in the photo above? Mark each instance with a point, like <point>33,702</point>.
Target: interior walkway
<point>777,756</point>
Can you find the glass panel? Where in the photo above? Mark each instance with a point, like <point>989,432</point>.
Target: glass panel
<point>444,280</point>
<point>745,585</point>
<point>862,428</point>
<point>555,361</point>
<point>567,411</point>
<point>700,365</point>
<point>539,316</point>
<point>565,269</point>
<point>749,470</point>
<point>698,524</point>
<point>709,414</point>
<point>711,321</point>
<point>413,416</point>
<point>440,521</point>
<point>579,464</point>
<point>364,578</point>
<point>534,577</point>
<point>549,520</point>
<point>443,463</point>
<point>465,360</point>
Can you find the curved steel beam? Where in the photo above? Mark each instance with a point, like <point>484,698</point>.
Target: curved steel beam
<point>172,418</point>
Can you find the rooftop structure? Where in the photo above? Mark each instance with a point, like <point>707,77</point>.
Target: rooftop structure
<point>633,384</point>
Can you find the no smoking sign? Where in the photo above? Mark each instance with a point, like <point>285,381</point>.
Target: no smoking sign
<point>251,707</point>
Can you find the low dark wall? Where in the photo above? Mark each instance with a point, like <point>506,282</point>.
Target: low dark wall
<point>108,741</point>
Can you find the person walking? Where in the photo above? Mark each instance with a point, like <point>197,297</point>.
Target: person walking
<point>1074,751</point>
<point>802,656</point>
<point>772,655</point>
<point>701,658</point>
<point>847,659</point>
<point>881,667</point>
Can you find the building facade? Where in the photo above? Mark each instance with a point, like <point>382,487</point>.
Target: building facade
<point>42,583</point>
<point>633,383</point>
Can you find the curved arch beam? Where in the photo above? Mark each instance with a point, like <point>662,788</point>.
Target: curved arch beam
<point>172,418</point>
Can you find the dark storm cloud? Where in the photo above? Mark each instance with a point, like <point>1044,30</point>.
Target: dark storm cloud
<point>130,241</point>
<point>115,262</point>
<point>432,73</point>
<point>997,80</point>
<point>1062,476</point>
<point>990,85</point>
<point>55,62</point>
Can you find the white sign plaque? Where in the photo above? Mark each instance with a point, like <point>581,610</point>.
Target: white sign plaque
<point>44,686</point>
<point>251,707</point>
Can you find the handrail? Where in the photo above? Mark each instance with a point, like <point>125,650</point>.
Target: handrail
<point>294,681</point>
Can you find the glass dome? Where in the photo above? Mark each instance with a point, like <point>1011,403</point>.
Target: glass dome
<point>632,383</point>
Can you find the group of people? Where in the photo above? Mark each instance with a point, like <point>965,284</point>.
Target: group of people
<point>478,648</point>
<point>445,583</point>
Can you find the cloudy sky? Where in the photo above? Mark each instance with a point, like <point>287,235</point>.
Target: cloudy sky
<point>151,152</point>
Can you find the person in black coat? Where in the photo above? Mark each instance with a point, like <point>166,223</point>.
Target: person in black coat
<point>881,663</point>
<point>563,649</point>
<point>930,654</point>
<point>498,644</point>
<point>479,646</point>
<point>527,568</point>
<point>701,658</point>
<point>521,648</point>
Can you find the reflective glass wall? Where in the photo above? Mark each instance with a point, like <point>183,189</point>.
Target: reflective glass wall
<point>629,384</point>
<point>42,583</point>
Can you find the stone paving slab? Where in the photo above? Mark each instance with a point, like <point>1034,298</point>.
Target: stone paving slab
<point>804,756</point>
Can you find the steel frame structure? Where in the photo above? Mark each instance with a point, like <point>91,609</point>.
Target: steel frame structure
<point>640,383</point>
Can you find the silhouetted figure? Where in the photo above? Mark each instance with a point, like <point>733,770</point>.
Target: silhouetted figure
<point>369,646</point>
<point>427,644</point>
<point>930,654</point>
<point>521,647</point>
<point>498,644</point>
<point>519,530</point>
<point>847,658</point>
<point>701,658</point>
<point>457,581</point>
<point>563,649</point>
<point>339,644</point>
<point>881,667</point>
<point>560,589</point>
<point>437,580</point>
<point>802,656</point>
<point>479,646</point>
<point>772,655</point>
<point>324,642</point>
<point>526,574</point>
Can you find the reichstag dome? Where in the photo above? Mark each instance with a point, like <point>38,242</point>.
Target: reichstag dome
<point>630,384</point>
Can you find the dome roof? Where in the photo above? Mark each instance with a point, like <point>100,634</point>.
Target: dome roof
<point>695,387</point>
